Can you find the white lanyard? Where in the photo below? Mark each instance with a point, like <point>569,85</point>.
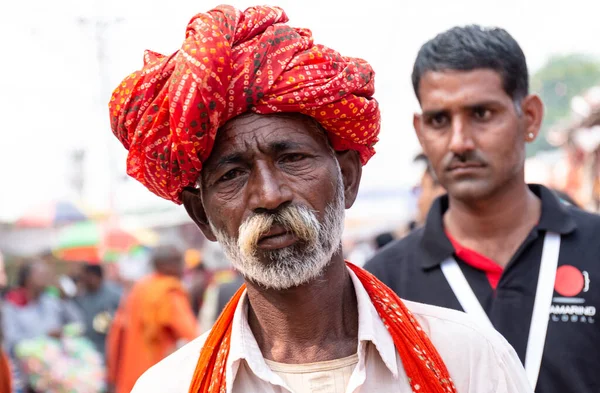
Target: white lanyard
<point>541,306</point>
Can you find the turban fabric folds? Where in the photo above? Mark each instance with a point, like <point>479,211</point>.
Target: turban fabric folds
<point>167,114</point>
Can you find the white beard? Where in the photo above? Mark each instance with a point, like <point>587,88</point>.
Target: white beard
<point>294,265</point>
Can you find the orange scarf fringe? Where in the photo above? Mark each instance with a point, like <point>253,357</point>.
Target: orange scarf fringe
<point>424,366</point>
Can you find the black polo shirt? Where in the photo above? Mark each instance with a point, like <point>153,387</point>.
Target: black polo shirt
<point>571,359</point>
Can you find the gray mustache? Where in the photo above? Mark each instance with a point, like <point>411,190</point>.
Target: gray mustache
<point>470,157</point>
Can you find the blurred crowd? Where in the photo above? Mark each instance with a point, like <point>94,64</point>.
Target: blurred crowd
<point>81,331</point>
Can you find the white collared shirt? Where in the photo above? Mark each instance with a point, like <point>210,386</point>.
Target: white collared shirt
<point>479,359</point>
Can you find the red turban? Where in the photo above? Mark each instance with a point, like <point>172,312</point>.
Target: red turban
<point>167,114</point>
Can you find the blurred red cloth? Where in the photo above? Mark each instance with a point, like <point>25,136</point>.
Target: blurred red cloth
<point>5,374</point>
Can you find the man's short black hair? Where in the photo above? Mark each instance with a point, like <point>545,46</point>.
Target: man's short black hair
<point>474,47</point>
<point>94,269</point>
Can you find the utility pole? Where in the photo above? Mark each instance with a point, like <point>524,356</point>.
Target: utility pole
<point>100,24</point>
<point>76,173</point>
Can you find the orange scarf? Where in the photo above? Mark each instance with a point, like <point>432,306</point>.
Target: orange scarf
<point>424,367</point>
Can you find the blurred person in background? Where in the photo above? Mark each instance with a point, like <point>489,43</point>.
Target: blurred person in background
<point>98,304</point>
<point>383,239</point>
<point>197,278</point>
<point>29,311</point>
<point>223,285</point>
<point>508,253</point>
<point>361,250</point>
<point>152,321</point>
<point>226,291</point>
<point>427,191</point>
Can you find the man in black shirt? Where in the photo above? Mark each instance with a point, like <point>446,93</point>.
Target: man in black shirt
<point>508,253</point>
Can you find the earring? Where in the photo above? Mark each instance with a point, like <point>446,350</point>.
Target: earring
<point>530,135</point>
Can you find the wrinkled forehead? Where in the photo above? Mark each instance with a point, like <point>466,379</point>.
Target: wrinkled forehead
<point>253,132</point>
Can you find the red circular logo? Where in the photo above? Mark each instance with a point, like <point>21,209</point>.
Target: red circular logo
<point>569,281</point>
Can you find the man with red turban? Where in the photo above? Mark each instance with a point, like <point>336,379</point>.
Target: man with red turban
<point>262,134</point>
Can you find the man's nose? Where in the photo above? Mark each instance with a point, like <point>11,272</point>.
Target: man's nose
<point>268,188</point>
<point>462,137</point>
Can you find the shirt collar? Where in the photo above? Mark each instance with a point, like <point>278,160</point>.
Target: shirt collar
<point>436,246</point>
<point>556,216</point>
<point>371,329</point>
<point>243,346</point>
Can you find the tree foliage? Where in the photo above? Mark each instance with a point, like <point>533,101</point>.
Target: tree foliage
<point>557,82</point>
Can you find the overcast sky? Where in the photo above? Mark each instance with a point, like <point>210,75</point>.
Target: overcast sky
<point>53,91</point>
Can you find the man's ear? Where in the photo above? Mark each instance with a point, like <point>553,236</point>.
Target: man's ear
<point>533,112</point>
<point>351,173</point>
<point>192,201</point>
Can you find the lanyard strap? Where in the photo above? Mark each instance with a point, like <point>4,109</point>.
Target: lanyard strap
<point>541,307</point>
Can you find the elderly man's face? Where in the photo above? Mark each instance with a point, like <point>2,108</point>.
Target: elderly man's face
<point>273,195</point>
